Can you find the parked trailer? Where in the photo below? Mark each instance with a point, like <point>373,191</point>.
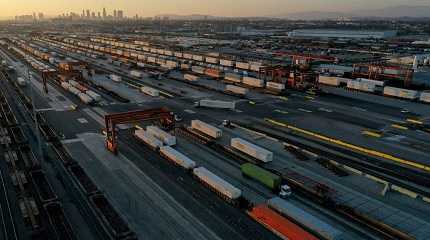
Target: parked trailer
<point>150,91</point>
<point>279,225</point>
<point>227,190</point>
<point>253,82</point>
<point>190,77</point>
<point>231,77</point>
<point>305,219</point>
<point>216,104</point>
<point>163,136</point>
<point>401,93</point>
<point>177,157</point>
<point>206,128</point>
<point>148,139</point>
<point>252,150</point>
<point>268,179</point>
<point>236,90</point>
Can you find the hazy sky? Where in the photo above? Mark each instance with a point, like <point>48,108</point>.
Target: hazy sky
<point>210,7</point>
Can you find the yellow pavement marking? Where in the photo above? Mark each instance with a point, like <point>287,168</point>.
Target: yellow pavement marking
<point>352,146</point>
<point>399,126</point>
<point>370,133</point>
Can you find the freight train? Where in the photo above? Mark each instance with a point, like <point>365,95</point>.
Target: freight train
<point>375,87</point>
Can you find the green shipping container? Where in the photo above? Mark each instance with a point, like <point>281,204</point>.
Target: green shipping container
<point>265,177</point>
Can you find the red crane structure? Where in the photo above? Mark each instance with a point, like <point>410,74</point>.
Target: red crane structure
<point>383,72</point>
<point>165,118</point>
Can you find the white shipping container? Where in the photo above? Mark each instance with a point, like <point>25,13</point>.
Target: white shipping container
<point>242,65</point>
<point>254,82</point>
<point>85,98</point>
<point>171,63</point>
<point>401,93</point>
<point>206,128</point>
<point>226,63</point>
<point>275,85</point>
<point>236,89</point>
<point>198,58</point>
<point>217,183</point>
<point>212,60</point>
<point>115,78</point>
<point>148,139</point>
<point>232,77</point>
<point>178,54</point>
<point>152,59</point>
<point>255,67</point>
<point>188,56</point>
<point>73,83</point>
<point>150,91</point>
<point>198,69</point>
<point>177,157</point>
<point>425,97</point>
<point>216,104</point>
<point>74,90</point>
<point>333,81</point>
<point>190,77</point>
<point>135,73</point>
<point>165,137</point>
<point>353,84</point>
<point>185,66</point>
<point>94,95</point>
<point>252,149</point>
<point>375,82</point>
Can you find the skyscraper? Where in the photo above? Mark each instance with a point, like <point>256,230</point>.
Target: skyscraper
<point>104,13</point>
<point>99,15</point>
<point>88,13</point>
<point>114,13</point>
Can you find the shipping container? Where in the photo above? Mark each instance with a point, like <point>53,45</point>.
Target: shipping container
<point>227,63</point>
<point>279,225</point>
<point>231,77</point>
<point>212,60</point>
<point>206,128</point>
<point>148,139</point>
<point>305,219</point>
<point>275,86</point>
<point>177,157</point>
<point>252,150</point>
<point>74,90</point>
<point>217,184</point>
<point>401,93</point>
<point>188,56</point>
<point>268,179</point>
<point>242,65</point>
<point>136,73</point>
<point>150,91</point>
<point>85,98</point>
<point>254,82</point>
<point>190,77</point>
<point>216,104</point>
<point>236,90</point>
<point>96,97</point>
<point>115,78</point>
<point>332,81</point>
<point>178,54</point>
<point>215,73</point>
<point>425,97</point>
<point>198,58</point>
<point>255,67</point>
<point>198,69</point>
<point>165,137</point>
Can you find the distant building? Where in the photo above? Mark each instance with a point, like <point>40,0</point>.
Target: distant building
<point>41,16</point>
<point>88,13</point>
<point>120,14</point>
<point>330,33</point>
<point>114,14</point>
<point>104,13</point>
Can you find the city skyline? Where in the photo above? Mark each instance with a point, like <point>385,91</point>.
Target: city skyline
<point>149,8</point>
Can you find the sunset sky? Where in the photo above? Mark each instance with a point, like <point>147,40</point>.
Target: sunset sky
<point>211,7</point>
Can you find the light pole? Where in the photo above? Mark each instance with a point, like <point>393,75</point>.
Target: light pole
<point>36,121</point>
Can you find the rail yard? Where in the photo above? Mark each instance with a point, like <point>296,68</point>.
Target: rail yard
<point>167,135</point>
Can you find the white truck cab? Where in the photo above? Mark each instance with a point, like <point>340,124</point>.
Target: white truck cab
<point>285,192</point>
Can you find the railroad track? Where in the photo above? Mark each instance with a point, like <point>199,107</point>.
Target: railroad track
<point>8,224</point>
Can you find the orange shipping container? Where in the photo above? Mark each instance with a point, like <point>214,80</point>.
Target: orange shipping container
<point>213,72</point>
<point>279,225</point>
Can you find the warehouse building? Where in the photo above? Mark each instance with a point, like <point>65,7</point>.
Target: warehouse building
<point>328,33</point>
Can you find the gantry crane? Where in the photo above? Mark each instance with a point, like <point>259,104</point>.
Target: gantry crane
<point>165,118</point>
<point>383,72</point>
